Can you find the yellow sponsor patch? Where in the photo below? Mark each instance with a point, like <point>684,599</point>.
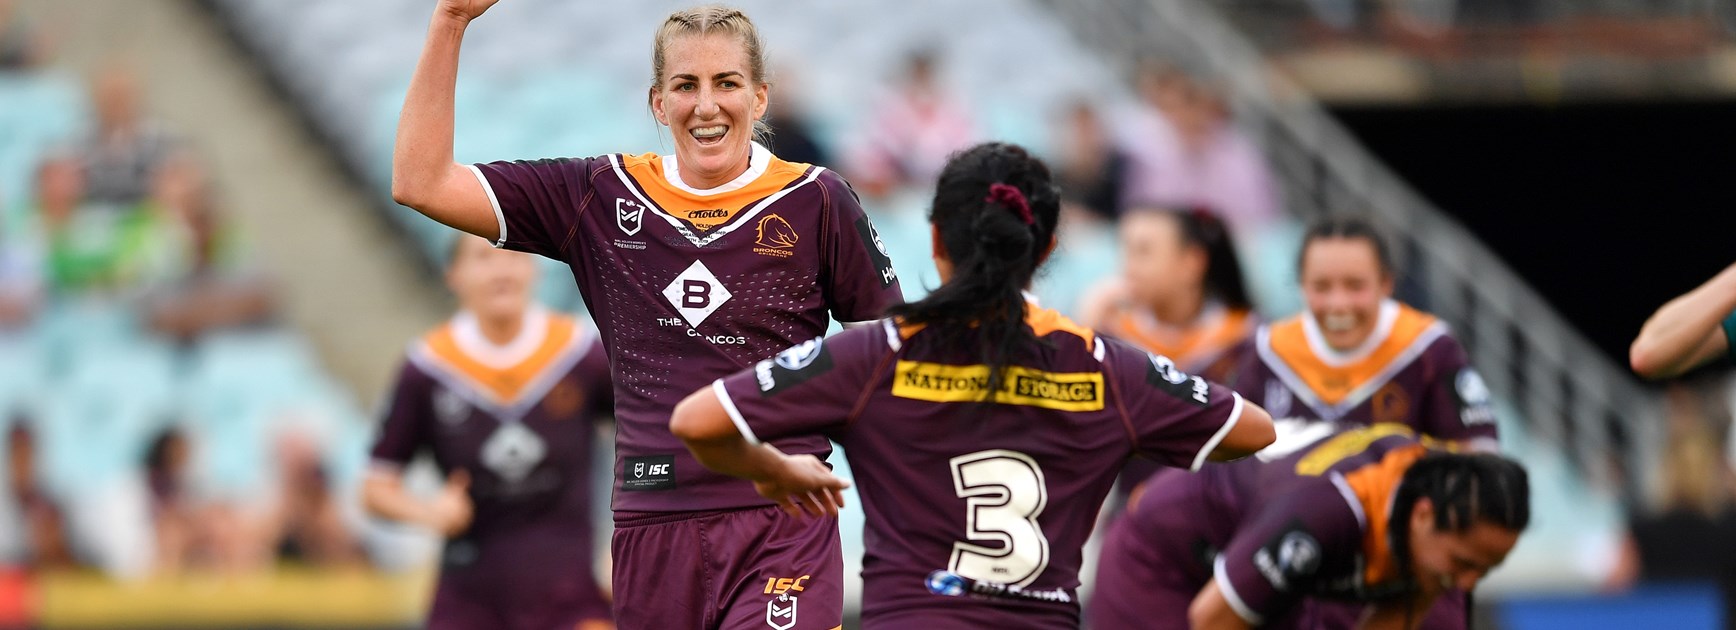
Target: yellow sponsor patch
<point>935,382</point>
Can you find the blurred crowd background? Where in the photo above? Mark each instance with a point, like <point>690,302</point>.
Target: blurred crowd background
<point>204,285</point>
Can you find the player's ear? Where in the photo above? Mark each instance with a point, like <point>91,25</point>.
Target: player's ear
<point>762,95</point>
<point>656,99</point>
<point>1423,515</point>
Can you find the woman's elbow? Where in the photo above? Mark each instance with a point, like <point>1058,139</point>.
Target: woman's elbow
<point>1644,360</point>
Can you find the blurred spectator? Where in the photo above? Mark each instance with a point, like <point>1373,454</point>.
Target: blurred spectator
<point>1192,155</point>
<point>93,249</point>
<point>1687,537</point>
<point>307,523</point>
<point>208,287</point>
<point>793,136</point>
<point>1092,170</point>
<point>911,133</point>
<point>20,47</point>
<point>21,273</point>
<point>44,525</point>
<point>173,515</point>
<point>123,154</point>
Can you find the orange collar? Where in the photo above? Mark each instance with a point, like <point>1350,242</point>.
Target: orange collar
<point>505,389</point>
<point>1334,383</point>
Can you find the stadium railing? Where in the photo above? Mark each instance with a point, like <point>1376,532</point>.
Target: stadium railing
<point>1565,391</point>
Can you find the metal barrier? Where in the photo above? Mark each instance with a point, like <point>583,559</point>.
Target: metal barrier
<point>1564,390</point>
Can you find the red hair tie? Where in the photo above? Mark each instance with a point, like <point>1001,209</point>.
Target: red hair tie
<point>1011,197</point>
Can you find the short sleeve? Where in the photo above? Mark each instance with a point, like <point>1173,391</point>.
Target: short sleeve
<point>810,388</point>
<point>404,428</point>
<point>1730,335</point>
<point>860,281</point>
<point>1458,405</point>
<point>1284,552</point>
<point>1177,419</point>
<point>537,203</point>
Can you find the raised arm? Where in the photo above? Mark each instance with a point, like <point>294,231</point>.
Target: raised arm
<point>1686,332</point>
<point>424,175</point>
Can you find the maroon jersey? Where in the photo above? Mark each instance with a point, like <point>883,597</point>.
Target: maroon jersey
<point>687,285</point>
<point>1409,372</point>
<point>1293,523</point>
<point>516,418</point>
<point>977,512</point>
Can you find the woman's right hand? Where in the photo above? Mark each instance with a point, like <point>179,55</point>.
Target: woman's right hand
<point>451,510</point>
<point>465,10</point>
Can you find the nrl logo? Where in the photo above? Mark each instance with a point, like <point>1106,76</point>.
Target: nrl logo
<point>629,216</point>
<point>638,470</point>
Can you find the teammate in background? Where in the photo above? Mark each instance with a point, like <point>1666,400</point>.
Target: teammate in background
<point>985,431</point>
<point>1180,295</point>
<point>1360,357</point>
<point>1369,514</point>
<point>693,265</point>
<point>1689,331</point>
<point>501,395</point>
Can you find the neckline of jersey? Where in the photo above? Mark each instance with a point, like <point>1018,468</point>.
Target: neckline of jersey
<point>758,159</point>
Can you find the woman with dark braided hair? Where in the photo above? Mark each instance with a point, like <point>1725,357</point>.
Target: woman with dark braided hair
<point>1374,515</point>
<point>985,431</point>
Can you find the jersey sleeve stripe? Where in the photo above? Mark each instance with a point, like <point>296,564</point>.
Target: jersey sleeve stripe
<point>849,325</point>
<point>1349,495</point>
<point>1222,577</point>
<point>1212,444</point>
<point>734,414</point>
<point>499,217</point>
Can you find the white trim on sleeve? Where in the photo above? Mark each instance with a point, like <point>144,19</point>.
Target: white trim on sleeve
<point>499,217</point>
<point>734,414</point>
<point>1224,431</point>
<point>848,325</point>
<point>1242,609</point>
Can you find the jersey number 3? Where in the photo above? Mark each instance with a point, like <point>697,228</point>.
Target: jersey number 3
<point>1004,493</point>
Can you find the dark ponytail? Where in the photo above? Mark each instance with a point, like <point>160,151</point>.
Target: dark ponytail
<point>995,209</point>
<point>1203,228</point>
<point>1465,489</point>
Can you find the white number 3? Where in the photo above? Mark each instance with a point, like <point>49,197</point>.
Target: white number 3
<point>1004,493</point>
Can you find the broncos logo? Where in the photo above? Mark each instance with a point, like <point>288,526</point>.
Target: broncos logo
<point>777,233</point>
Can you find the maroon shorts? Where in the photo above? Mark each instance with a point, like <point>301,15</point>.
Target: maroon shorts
<point>752,568</point>
<point>463,603</point>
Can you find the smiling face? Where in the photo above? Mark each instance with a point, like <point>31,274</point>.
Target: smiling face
<point>1344,282</point>
<point>709,99</point>
<point>1158,262</point>
<point>495,284</point>
<point>1447,559</point>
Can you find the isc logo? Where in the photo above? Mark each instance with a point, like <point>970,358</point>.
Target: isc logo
<point>779,586</point>
<point>660,469</point>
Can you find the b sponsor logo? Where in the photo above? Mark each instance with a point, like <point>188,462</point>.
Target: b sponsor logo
<point>952,584</point>
<point>696,293</point>
<point>513,451</point>
<point>1166,377</point>
<point>876,252</point>
<point>935,382</point>
<point>649,472</point>
<point>629,216</point>
<point>781,612</point>
<point>776,237</point>
<point>715,213</point>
